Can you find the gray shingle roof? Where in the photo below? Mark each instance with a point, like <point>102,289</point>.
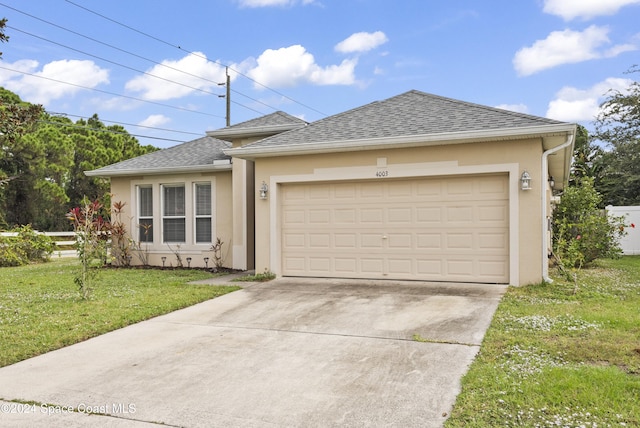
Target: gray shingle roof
<point>276,118</point>
<point>407,114</point>
<point>192,154</point>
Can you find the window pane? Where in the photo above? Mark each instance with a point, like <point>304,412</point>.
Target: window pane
<point>203,229</point>
<point>203,199</point>
<point>173,200</point>
<point>146,230</point>
<point>174,230</point>
<point>145,202</point>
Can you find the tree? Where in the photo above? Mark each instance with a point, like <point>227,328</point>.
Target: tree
<point>618,125</point>
<point>44,160</point>
<point>588,159</point>
<point>96,145</point>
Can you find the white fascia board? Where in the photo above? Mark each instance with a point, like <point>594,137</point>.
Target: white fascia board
<point>444,138</point>
<point>252,132</point>
<point>158,171</point>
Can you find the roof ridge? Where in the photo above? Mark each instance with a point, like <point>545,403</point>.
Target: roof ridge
<point>483,106</point>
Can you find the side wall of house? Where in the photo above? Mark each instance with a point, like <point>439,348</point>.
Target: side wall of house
<point>125,189</point>
<point>510,158</point>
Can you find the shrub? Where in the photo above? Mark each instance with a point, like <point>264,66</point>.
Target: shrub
<point>26,246</point>
<point>36,246</point>
<point>582,231</point>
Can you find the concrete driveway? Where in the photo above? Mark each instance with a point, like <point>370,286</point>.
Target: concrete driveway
<point>291,352</point>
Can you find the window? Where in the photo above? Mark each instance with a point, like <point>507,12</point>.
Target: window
<point>145,213</point>
<point>173,213</point>
<point>202,201</point>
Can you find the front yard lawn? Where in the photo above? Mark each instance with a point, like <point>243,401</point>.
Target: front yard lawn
<point>41,309</point>
<point>555,358</point>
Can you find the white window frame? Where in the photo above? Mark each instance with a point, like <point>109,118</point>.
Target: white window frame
<point>142,216</point>
<point>197,216</point>
<point>182,216</point>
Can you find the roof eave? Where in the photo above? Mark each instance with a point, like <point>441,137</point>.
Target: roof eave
<point>445,138</point>
<point>159,171</point>
<point>230,133</point>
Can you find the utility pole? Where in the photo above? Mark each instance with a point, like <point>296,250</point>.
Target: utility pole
<point>227,96</point>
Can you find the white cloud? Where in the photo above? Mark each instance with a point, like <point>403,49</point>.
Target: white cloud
<point>566,47</point>
<point>571,9</point>
<point>518,108</point>
<point>361,42</point>
<point>580,105</point>
<point>43,86</point>
<point>271,3</point>
<point>203,75</point>
<point>286,67</point>
<point>155,120</point>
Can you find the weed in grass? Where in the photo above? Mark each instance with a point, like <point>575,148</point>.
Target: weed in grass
<point>552,358</point>
<point>546,323</point>
<point>259,277</point>
<point>523,363</point>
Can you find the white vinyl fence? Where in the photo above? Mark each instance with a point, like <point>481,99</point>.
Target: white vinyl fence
<point>62,239</point>
<point>630,243</point>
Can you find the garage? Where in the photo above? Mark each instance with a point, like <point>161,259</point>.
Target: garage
<point>447,228</point>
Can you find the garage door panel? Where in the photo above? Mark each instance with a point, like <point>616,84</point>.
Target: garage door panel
<point>371,215</point>
<point>429,241</point>
<point>294,240</point>
<point>456,241</point>
<point>320,265</point>
<point>371,265</point>
<point>400,266</point>
<point>400,215</point>
<point>401,241</point>
<point>371,240</point>
<point>440,229</point>
<point>431,268</point>
<point>319,240</point>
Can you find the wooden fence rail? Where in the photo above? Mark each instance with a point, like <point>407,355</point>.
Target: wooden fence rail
<point>61,239</point>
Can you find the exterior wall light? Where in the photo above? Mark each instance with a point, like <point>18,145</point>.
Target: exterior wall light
<point>552,182</point>
<point>525,181</point>
<point>264,189</point>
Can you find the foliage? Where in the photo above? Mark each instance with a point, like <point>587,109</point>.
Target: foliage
<point>588,159</point>
<point>555,358</point>
<point>618,125</point>
<point>40,309</point>
<point>583,232</point>
<point>91,242</point>
<point>43,159</point>
<point>216,247</point>
<point>121,245</point>
<point>258,277</point>
<point>27,246</point>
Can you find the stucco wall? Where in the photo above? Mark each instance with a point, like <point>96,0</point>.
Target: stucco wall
<point>504,156</point>
<point>124,190</point>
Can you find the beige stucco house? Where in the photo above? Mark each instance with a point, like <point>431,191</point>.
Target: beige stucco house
<point>415,187</point>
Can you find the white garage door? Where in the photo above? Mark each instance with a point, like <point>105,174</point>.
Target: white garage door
<point>434,229</point>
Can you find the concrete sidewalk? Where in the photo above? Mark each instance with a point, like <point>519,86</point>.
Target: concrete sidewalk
<point>290,352</point>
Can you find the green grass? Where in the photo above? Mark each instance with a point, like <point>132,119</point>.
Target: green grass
<point>41,309</point>
<point>553,357</point>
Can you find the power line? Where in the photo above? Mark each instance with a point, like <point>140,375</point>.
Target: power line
<point>132,54</point>
<point>112,62</point>
<point>193,53</point>
<point>53,113</point>
<point>136,70</point>
<point>111,93</point>
<point>110,131</point>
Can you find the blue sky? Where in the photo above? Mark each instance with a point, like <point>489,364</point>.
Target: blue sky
<point>158,63</point>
